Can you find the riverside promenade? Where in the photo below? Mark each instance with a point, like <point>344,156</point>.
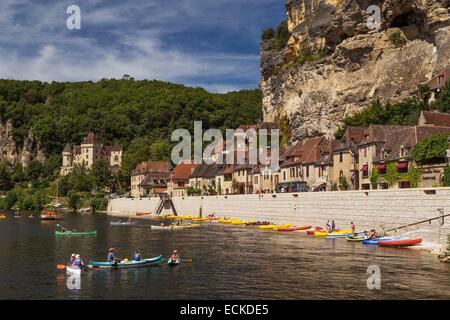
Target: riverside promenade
<point>412,212</point>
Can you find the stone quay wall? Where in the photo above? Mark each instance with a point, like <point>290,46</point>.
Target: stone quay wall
<point>379,209</point>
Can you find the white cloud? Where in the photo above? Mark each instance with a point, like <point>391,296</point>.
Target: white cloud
<point>126,37</point>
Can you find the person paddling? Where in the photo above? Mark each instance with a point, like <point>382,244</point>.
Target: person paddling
<point>78,262</point>
<point>112,256</point>
<point>137,256</point>
<point>175,256</point>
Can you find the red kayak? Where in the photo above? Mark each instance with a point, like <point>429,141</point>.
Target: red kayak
<point>401,242</point>
<point>142,214</point>
<point>294,228</point>
<point>314,230</point>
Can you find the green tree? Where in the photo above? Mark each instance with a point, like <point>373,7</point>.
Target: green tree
<point>374,178</point>
<point>431,149</point>
<point>446,178</point>
<point>73,200</point>
<point>391,176</point>
<point>101,175</point>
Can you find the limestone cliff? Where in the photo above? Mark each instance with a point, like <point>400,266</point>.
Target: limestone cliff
<point>9,151</point>
<point>410,44</point>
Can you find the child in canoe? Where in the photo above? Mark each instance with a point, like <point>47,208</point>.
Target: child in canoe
<point>175,256</point>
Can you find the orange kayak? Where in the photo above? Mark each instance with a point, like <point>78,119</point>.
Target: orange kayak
<point>142,214</point>
<point>311,232</point>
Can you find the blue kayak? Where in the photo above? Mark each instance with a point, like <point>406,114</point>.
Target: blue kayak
<point>375,241</point>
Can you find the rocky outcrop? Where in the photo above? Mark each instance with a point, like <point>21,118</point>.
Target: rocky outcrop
<point>9,150</point>
<point>410,44</point>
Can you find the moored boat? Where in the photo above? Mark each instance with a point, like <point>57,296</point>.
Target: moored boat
<point>288,229</point>
<point>377,240</point>
<point>140,214</point>
<point>402,242</point>
<point>126,264</point>
<point>122,223</point>
<point>357,238</point>
<point>70,233</point>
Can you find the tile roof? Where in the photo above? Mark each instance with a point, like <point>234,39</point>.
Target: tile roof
<point>207,171</point>
<point>439,119</point>
<point>183,170</point>
<point>350,140</point>
<point>152,167</point>
<point>91,138</point>
<point>440,80</point>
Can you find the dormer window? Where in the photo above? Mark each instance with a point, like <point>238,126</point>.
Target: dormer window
<point>402,152</point>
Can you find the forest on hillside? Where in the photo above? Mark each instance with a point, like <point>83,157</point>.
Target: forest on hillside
<point>138,115</point>
<point>130,113</point>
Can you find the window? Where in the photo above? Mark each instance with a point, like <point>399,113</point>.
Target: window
<point>341,174</point>
<point>365,152</point>
<point>116,158</point>
<point>284,175</point>
<point>307,171</point>
<point>341,157</point>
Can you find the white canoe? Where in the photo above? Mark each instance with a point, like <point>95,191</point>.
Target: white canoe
<point>73,270</point>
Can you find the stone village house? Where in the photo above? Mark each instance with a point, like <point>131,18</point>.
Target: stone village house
<point>150,178</point>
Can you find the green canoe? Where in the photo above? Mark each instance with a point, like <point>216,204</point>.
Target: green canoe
<point>130,264</point>
<point>70,233</point>
<point>356,239</point>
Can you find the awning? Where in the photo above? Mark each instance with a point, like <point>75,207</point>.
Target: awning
<point>381,166</point>
<point>365,168</point>
<point>402,165</point>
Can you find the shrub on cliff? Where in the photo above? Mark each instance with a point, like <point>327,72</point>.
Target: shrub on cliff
<point>404,113</point>
<point>277,39</point>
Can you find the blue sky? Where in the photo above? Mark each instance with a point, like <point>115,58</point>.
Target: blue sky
<point>209,43</point>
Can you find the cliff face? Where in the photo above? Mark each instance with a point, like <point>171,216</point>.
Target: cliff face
<point>9,151</point>
<point>360,64</point>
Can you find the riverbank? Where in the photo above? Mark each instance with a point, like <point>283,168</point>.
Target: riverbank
<point>389,210</point>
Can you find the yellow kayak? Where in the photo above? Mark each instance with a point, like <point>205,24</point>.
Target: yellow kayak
<point>226,220</point>
<point>324,233</point>
<point>200,219</point>
<point>275,227</point>
<point>239,222</point>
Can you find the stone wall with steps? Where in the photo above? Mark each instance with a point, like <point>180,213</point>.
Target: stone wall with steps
<point>380,209</point>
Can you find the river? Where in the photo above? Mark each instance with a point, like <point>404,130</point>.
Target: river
<point>228,263</point>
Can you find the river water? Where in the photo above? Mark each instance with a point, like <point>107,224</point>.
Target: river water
<point>228,263</point>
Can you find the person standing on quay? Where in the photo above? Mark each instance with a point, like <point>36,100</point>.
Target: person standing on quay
<point>333,226</point>
<point>353,227</point>
<point>328,226</point>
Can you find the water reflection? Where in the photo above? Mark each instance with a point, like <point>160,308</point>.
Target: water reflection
<point>228,262</point>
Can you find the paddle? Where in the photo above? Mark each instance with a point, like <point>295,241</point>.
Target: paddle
<point>186,260</point>
<point>60,266</point>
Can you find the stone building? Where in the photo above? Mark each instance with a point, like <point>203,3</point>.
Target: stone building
<point>438,82</point>
<point>384,145</point>
<point>150,178</point>
<point>89,152</point>
<point>345,159</point>
<point>179,179</point>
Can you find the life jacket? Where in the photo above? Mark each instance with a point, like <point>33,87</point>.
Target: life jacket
<point>174,258</point>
